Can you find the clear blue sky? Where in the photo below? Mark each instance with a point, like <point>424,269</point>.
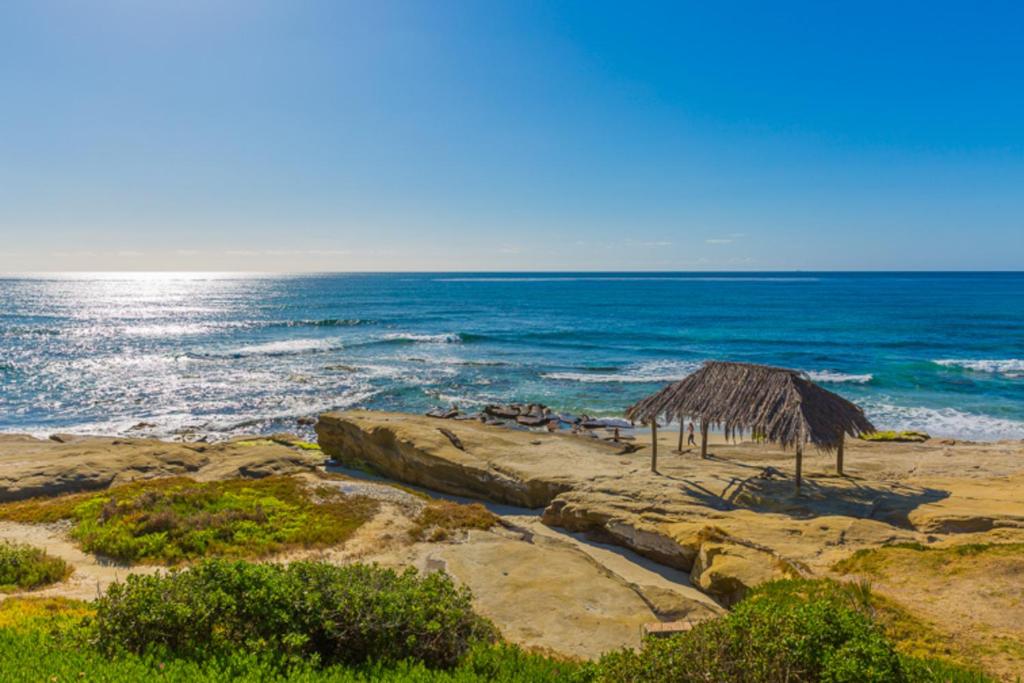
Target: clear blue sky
<point>379,135</point>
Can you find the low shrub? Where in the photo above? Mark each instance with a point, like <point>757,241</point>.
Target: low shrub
<point>178,519</point>
<point>916,437</point>
<point>349,615</point>
<point>25,567</point>
<point>439,518</point>
<point>784,631</point>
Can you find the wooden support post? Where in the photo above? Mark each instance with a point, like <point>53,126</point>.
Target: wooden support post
<point>703,439</point>
<point>839,454</point>
<point>799,459</point>
<point>679,448</point>
<point>654,445</point>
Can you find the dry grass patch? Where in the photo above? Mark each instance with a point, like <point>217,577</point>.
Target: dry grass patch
<point>440,518</point>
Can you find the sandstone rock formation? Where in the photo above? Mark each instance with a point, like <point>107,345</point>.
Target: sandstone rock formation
<point>731,520</point>
<point>34,467</point>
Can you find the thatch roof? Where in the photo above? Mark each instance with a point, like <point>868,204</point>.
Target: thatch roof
<point>779,404</point>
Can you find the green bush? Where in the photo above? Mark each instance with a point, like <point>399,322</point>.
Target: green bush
<point>24,567</point>
<point>790,630</point>
<point>349,615</point>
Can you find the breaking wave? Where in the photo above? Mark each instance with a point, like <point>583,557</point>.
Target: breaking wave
<point>948,422</point>
<point>1010,367</point>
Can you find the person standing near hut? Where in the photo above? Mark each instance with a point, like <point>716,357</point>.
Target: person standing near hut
<point>690,440</point>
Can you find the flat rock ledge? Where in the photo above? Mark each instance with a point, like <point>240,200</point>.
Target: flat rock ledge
<point>31,467</point>
<point>721,519</point>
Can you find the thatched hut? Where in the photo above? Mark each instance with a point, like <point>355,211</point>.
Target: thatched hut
<point>776,404</point>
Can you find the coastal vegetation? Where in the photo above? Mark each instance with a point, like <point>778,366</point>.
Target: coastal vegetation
<point>178,519</point>
<point>439,518</point>
<point>25,567</point>
<point>896,436</point>
<point>309,621</point>
<point>973,624</point>
<point>786,630</point>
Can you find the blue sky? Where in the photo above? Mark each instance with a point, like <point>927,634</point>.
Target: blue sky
<point>520,135</point>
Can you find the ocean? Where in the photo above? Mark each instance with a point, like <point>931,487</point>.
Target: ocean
<point>222,354</point>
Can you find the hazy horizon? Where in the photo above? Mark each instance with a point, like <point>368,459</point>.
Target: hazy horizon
<point>460,137</point>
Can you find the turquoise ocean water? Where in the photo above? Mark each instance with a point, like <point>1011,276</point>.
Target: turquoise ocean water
<point>226,354</point>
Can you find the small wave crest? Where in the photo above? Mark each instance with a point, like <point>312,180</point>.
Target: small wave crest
<point>1009,367</point>
<point>415,338</point>
<point>830,377</point>
<point>325,322</point>
<point>653,371</point>
<point>289,347</point>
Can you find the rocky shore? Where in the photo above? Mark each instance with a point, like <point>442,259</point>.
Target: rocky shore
<point>732,520</point>
<point>587,527</point>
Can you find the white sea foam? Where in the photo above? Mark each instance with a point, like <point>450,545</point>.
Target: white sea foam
<point>948,422</point>
<point>167,330</point>
<point>830,377</point>
<point>1009,367</point>
<point>286,347</point>
<point>653,371</point>
<point>448,338</point>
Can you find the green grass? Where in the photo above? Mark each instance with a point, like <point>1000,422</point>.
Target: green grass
<point>176,520</point>
<point>24,567</point>
<point>895,436</point>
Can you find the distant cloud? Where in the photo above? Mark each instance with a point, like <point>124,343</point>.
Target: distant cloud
<point>287,252</point>
<point>728,239</point>
<point>128,253</point>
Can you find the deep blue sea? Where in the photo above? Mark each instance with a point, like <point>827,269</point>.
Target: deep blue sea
<point>226,354</point>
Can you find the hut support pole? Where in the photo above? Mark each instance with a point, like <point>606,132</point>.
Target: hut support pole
<point>839,454</point>
<point>654,445</point>
<point>679,448</point>
<point>800,459</point>
<point>703,439</point>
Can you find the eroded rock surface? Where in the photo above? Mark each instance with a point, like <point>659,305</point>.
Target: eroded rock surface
<point>731,520</point>
<point>35,467</point>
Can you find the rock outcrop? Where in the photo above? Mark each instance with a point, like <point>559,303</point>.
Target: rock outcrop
<point>417,451</point>
<point>731,521</point>
<point>36,467</point>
